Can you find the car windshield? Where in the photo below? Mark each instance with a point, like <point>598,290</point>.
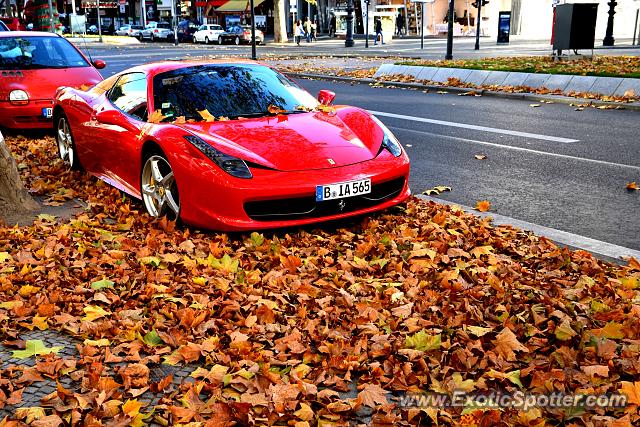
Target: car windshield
<point>230,91</point>
<point>38,52</point>
<point>136,27</point>
<point>164,25</point>
<point>3,27</point>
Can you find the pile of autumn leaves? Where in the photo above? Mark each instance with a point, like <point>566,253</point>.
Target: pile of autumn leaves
<point>318,326</point>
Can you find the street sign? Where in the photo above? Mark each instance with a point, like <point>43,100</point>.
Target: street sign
<point>122,8</point>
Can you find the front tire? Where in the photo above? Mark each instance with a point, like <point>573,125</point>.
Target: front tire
<point>219,40</point>
<point>206,40</point>
<point>195,40</point>
<point>159,188</point>
<point>66,146</point>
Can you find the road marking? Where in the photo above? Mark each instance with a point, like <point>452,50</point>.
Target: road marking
<point>475,127</point>
<point>596,247</point>
<point>526,150</point>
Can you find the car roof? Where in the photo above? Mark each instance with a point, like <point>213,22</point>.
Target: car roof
<point>28,34</point>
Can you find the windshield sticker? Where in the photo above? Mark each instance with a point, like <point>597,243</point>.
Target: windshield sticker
<point>172,80</point>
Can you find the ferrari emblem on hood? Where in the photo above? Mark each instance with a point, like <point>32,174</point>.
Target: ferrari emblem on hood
<point>331,161</point>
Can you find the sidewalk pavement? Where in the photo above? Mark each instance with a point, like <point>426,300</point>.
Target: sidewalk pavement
<point>567,84</point>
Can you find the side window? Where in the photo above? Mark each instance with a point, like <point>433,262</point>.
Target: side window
<point>202,27</point>
<point>129,95</point>
<point>103,86</point>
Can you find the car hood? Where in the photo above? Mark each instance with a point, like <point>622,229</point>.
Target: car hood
<point>41,84</point>
<point>303,141</point>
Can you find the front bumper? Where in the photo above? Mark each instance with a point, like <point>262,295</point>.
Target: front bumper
<point>25,116</point>
<point>214,200</point>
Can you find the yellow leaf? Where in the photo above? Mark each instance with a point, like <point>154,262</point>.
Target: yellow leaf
<point>4,256</point>
<point>9,305</point>
<point>30,414</point>
<point>206,116</point>
<point>305,413</point>
<point>27,290</point>
<point>632,186</point>
<point>40,323</point>
<point>274,109</point>
<point>629,93</point>
<point>483,205</point>
<point>156,117</point>
<point>180,120</point>
<point>131,408</point>
<point>481,250</point>
<point>93,312</point>
<point>102,342</point>
<point>632,390</point>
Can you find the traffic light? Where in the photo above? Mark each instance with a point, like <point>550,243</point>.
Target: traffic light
<point>476,5</point>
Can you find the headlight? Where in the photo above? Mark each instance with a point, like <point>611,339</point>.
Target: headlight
<point>389,141</point>
<point>18,97</point>
<point>231,165</point>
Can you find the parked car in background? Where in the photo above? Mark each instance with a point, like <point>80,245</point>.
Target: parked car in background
<point>161,31</point>
<point>145,33</point>
<point>240,34</point>
<point>134,31</point>
<point>123,31</point>
<point>14,24</point>
<point>207,33</point>
<point>33,66</point>
<point>92,29</point>
<point>186,30</point>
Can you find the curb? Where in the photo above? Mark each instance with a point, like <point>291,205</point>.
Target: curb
<point>560,99</point>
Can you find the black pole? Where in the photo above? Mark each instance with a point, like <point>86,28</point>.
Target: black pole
<point>254,55</point>
<point>450,32</point>
<point>422,28</point>
<point>348,41</point>
<point>478,25</point>
<point>635,28</point>
<point>366,37</point>
<point>608,38</point>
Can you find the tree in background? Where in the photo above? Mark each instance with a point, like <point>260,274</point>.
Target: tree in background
<point>279,22</point>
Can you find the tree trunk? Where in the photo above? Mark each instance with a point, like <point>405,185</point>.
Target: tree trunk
<point>13,195</point>
<point>279,22</point>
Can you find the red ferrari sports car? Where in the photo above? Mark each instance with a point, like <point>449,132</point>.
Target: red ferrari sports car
<point>32,66</point>
<point>230,145</point>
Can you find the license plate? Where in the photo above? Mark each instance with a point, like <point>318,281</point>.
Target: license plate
<point>342,190</point>
<point>47,112</point>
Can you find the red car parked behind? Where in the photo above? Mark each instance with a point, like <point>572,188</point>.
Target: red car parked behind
<point>14,24</point>
<point>32,66</point>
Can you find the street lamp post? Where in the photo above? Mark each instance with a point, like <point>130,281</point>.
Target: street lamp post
<point>253,32</point>
<point>608,38</point>
<point>99,23</point>
<point>175,23</point>
<point>366,37</point>
<point>53,30</point>
<point>348,41</point>
<point>478,28</point>
<point>449,54</point>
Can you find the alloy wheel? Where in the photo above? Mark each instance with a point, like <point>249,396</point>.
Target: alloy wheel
<point>206,40</point>
<point>65,142</point>
<point>159,188</point>
<point>237,40</point>
<point>219,40</point>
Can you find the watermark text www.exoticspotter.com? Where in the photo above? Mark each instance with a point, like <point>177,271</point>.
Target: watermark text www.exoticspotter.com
<point>516,400</point>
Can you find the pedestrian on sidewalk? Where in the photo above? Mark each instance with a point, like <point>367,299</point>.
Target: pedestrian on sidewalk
<point>399,25</point>
<point>314,30</point>
<point>332,25</point>
<point>298,32</point>
<point>378,27</point>
<point>307,29</point>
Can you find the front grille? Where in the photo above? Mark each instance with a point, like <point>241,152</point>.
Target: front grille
<point>307,207</point>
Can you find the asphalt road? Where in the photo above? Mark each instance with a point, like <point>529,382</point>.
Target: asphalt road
<point>549,165</point>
